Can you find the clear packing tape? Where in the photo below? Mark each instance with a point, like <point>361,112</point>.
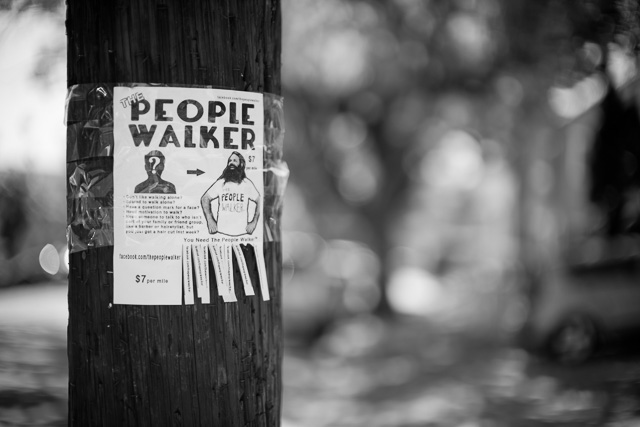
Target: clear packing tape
<point>90,147</point>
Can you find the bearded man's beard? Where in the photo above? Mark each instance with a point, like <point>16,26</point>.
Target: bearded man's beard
<point>233,174</point>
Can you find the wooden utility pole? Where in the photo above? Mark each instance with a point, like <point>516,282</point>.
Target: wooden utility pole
<point>215,364</point>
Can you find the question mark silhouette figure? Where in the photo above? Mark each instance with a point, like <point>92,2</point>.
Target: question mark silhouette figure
<point>154,161</point>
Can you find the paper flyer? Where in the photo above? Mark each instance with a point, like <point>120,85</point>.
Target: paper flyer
<point>188,191</point>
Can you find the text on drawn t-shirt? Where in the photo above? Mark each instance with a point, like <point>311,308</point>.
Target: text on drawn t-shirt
<point>233,205</point>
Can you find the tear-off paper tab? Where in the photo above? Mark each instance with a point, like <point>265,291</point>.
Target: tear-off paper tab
<point>244,270</point>
<point>216,261</point>
<point>201,260</point>
<point>187,277</point>
<point>224,273</point>
<point>227,259</point>
<point>262,273</point>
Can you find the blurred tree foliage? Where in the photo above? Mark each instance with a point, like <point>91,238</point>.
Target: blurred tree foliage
<point>23,5</point>
<point>13,212</point>
<point>372,86</point>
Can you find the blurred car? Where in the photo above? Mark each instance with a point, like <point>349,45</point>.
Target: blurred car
<point>580,242</point>
<point>586,310</point>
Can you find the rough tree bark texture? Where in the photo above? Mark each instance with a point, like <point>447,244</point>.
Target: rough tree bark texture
<point>200,365</point>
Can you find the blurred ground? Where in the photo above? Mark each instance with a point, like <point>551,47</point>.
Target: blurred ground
<point>33,355</point>
<point>414,375</point>
<point>364,372</point>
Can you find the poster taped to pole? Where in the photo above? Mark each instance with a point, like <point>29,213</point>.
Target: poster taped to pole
<point>188,179</point>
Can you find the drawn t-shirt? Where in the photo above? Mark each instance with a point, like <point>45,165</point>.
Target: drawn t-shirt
<point>233,205</point>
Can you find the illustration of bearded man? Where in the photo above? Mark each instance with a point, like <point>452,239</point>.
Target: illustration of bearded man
<point>235,194</point>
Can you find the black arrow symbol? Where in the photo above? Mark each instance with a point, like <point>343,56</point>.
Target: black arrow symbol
<point>196,172</point>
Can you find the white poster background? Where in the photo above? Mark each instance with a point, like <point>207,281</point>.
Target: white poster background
<point>150,229</point>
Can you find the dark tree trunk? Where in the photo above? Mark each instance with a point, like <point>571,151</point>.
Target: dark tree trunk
<point>201,365</point>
